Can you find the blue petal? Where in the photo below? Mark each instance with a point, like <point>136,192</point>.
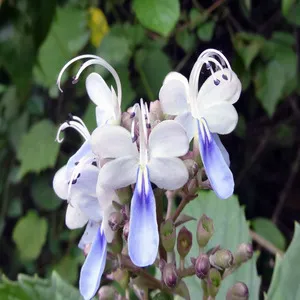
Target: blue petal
<point>89,234</point>
<point>216,168</point>
<point>143,236</point>
<point>74,159</point>
<point>93,267</point>
<point>222,148</point>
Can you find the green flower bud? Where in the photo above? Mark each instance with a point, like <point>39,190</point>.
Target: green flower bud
<point>243,253</point>
<point>184,242</point>
<point>170,276</point>
<point>115,220</point>
<point>182,290</point>
<point>202,266</point>
<point>221,259</point>
<point>126,231</point>
<point>239,291</point>
<point>192,167</point>
<point>213,282</point>
<point>205,230</point>
<point>168,235</point>
<point>107,292</point>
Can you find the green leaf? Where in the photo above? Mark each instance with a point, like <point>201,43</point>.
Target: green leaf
<point>286,6</point>
<point>160,16</point>
<point>268,230</point>
<point>293,14</point>
<point>15,208</point>
<point>231,229</point>
<point>152,65</point>
<point>43,194</point>
<point>205,31</point>
<point>186,40</point>
<point>38,149</point>
<point>30,235</point>
<point>269,86</point>
<point>285,279</point>
<point>68,34</point>
<point>35,288</point>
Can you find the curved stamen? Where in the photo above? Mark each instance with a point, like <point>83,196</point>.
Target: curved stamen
<point>77,124</point>
<point>100,61</point>
<point>143,135</point>
<point>204,129</point>
<point>68,64</point>
<point>133,115</point>
<point>219,54</point>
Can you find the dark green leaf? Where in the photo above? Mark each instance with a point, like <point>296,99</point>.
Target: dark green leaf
<point>160,16</point>
<point>205,31</point>
<point>186,40</point>
<point>268,230</point>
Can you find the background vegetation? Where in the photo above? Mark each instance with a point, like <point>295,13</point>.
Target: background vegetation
<point>143,40</point>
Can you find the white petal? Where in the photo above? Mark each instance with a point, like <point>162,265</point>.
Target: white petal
<point>60,183</point>
<point>118,173</point>
<point>173,95</point>
<point>89,206</point>
<point>188,122</point>
<point>99,92</point>
<point>102,116</point>
<point>89,234</point>
<point>167,139</point>
<point>75,218</point>
<point>221,118</point>
<point>112,141</point>
<point>227,90</point>
<point>168,173</point>
<point>222,148</point>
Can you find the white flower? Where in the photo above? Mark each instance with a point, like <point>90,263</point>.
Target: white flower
<point>206,112</point>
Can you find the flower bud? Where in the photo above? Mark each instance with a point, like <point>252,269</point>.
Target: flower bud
<point>170,276</point>
<point>213,282</point>
<point>205,230</point>
<point>222,258</point>
<point>192,167</point>
<point>184,242</point>
<point>168,235</point>
<point>126,231</point>
<point>243,253</point>
<point>182,290</point>
<point>239,291</point>
<point>202,266</point>
<point>126,120</point>
<point>107,292</point>
<point>156,113</point>
<point>115,220</point>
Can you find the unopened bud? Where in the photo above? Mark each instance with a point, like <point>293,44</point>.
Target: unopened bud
<point>107,292</point>
<point>184,242</point>
<point>243,253</point>
<point>202,266</point>
<point>239,291</point>
<point>213,282</point>
<point>116,245</point>
<point>205,230</point>
<point>182,290</point>
<point>168,235</point>
<point>192,167</point>
<point>126,231</point>
<point>222,258</point>
<point>115,220</point>
<point>126,120</point>
<point>170,276</point>
<point>156,113</point>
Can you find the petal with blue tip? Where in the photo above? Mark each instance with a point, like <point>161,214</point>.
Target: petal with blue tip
<point>216,168</point>
<point>143,236</point>
<point>93,267</point>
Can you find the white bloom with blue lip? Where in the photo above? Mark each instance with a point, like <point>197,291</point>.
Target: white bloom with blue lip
<point>206,112</point>
<point>154,159</point>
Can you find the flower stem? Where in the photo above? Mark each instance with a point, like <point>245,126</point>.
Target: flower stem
<point>185,200</point>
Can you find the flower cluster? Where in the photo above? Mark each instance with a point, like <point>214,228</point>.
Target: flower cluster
<point>110,183</point>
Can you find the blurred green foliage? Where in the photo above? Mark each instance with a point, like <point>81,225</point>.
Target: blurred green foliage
<point>146,39</point>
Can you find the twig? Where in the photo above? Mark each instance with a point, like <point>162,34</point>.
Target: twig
<point>287,187</point>
<point>185,200</point>
<point>265,244</point>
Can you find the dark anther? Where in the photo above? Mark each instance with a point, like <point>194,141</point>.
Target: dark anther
<point>70,117</point>
<point>208,66</point>
<point>134,139</point>
<point>77,162</point>
<point>74,81</point>
<point>78,175</point>
<point>74,181</point>
<point>148,125</point>
<point>94,164</point>
<point>224,77</point>
<point>217,82</point>
<point>132,115</point>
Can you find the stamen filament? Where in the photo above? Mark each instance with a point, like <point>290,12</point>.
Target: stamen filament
<point>78,125</point>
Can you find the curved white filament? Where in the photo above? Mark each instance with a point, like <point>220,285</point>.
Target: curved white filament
<point>78,125</point>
